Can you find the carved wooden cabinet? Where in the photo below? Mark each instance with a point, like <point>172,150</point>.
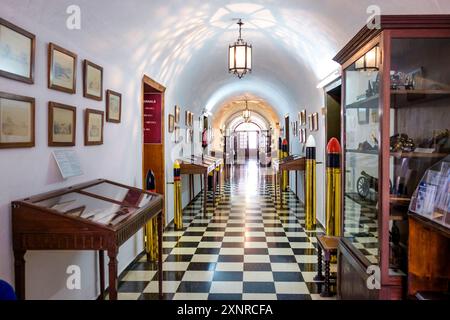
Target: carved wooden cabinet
<point>396,121</point>
<point>99,215</point>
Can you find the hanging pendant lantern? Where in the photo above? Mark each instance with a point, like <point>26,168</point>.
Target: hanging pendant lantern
<point>246,114</point>
<point>240,55</point>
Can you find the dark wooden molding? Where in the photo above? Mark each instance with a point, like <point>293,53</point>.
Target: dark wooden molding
<point>365,35</point>
<point>87,64</point>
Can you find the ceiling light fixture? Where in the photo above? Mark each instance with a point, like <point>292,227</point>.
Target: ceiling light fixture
<point>246,114</point>
<point>240,55</point>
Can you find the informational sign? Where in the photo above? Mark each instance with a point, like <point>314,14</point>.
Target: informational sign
<point>152,118</point>
<point>68,163</point>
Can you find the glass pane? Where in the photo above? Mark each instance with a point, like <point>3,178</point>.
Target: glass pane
<point>129,197</point>
<point>419,128</point>
<point>240,57</point>
<point>361,154</point>
<point>82,206</point>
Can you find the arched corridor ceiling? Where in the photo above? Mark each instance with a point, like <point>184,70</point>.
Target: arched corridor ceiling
<point>183,44</point>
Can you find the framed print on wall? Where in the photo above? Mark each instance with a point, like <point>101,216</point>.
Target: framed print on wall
<point>310,122</point>
<point>62,69</point>
<point>177,114</point>
<point>62,124</point>
<point>17,52</point>
<point>93,127</point>
<point>17,121</point>
<point>92,81</point>
<point>187,119</point>
<point>302,117</point>
<point>315,120</point>
<point>171,123</point>
<point>113,106</point>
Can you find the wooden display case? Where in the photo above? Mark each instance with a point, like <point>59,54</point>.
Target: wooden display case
<point>396,98</point>
<point>99,215</point>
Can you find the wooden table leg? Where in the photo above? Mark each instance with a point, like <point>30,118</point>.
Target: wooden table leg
<point>101,264</point>
<point>112,254</point>
<point>280,182</point>
<point>205,193</point>
<point>160,255</point>
<point>326,290</point>
<point>19,270</point>
<point>274,181</point>
<point>214,187</point>
<point>319,276</point>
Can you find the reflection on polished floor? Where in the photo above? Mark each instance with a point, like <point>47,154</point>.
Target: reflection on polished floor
<point>246,248</point>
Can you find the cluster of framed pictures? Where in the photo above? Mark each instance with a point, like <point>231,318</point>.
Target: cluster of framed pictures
<point>17,113</point>
<point>312,122</point>
<point>174,125</point>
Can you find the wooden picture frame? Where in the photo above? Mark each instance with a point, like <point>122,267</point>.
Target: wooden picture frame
<point>177,114</point>
<point>93,127</point>
<point>310,122</point>
<point>302,118</point>
<point>302,134</point>
<point>187,116</point>
<point>315,119</point>
<point>62,125</point>
<point>17,121</point>
<point>113,106</point>
<point>18,43</point>
<point>171,124</point>
<point>62,69</point>
<point>177,134</point>
<point>92,81</point>
<point>363,115</point>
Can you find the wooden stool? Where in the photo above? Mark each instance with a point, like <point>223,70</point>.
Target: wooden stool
<point>328,245</point>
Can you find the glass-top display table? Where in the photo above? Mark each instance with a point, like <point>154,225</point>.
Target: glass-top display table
<point>98,215</point>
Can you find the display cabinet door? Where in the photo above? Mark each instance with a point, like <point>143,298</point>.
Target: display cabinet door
<point>419,127</point>
<point>361,154</point>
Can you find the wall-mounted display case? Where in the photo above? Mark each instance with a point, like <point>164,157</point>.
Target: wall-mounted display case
<point>396,121</point>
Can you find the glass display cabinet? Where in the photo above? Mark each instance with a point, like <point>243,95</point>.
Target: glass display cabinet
<point>396,121</point>
<point>100,215</point>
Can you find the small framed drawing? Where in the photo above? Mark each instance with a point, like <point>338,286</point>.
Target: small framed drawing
<point>171,123</point>
<point>363,115</point>
<point>302,117</point>
<point>61,125</point>
<point>177,134</point>
<point>93,127</point>
<point>17,119</point>
<point>62,69</point>
<point>315,120</point>
<point>310,122</point>
<point>302,135</point>
<point>191,119</point>
<point>113,106</point>
<point>187,118</point>
<point>18,55</point>
<point>177,114</point>
<point>92,81</point>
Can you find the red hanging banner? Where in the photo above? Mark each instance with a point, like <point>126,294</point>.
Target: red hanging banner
<point>152,118</point>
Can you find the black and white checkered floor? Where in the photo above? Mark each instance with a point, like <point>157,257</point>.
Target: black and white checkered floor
<point>246,248</point>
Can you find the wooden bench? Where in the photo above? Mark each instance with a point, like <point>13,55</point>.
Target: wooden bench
<point>328,245</point>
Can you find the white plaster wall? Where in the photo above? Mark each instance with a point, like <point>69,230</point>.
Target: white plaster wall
<point>25,172</point>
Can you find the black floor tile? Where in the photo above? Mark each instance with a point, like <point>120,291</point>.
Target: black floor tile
<point>259,287</point>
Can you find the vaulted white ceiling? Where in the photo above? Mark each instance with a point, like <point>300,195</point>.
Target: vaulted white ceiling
<point>183,44</point>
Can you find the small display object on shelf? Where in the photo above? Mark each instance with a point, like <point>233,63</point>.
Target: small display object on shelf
<point>113,106</point>
<point>17,121</point>
<point>92,81</point>
<point>18,56</point>
<point>171,125</point>
<point>62,69</point>
<point>62,120</point>
<point>93,127</point>
<point>432,196</point>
